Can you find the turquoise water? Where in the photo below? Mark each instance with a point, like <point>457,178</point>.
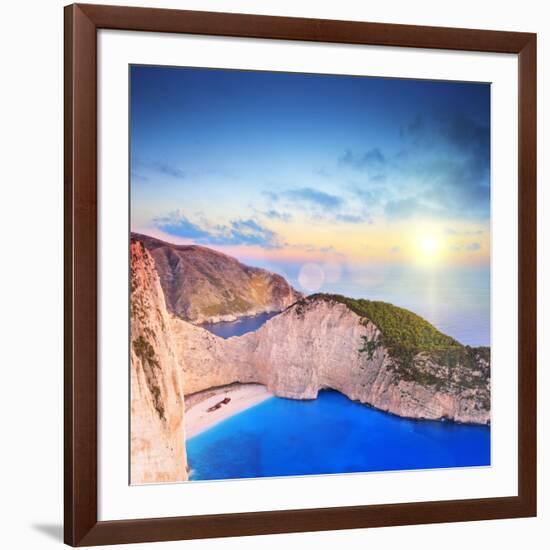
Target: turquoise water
<point>328,435</point>
<point>239,327</point>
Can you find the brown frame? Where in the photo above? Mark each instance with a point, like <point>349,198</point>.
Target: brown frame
<point>80,269</point>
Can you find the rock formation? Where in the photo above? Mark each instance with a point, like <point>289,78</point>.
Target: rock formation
<point>319,343</point>
<point>202,285</point>
<point>157,407</point>
<point>372,352</point>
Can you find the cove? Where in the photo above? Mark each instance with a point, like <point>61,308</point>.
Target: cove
<point>329,435</point>
<point>240,326</point>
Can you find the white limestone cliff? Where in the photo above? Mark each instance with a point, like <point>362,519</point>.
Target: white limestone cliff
<point>157,447</point>
<point>314,345</point>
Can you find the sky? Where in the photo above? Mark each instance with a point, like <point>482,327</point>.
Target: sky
<point>369,187</point>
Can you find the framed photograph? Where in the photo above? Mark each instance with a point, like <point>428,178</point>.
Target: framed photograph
<point>300,274</point>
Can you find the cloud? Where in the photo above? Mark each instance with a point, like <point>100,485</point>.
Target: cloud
<point>316,250</point>
<point>371,160</point>
<point>469,137</point>
<point>457,233</point>
<point>271,195</point>
<point>413,127</point>
<point>323,172</point>
<point>168,170</point>
<point>315,197</point>
<point>317,205</point>
<point>470,247</point>
<point>249,232</point>
<point>276,215</point>
<point>136,176</point>
<point>159,168</point>
<point>369,195</point>
<point>350,218</point>
<point>236,232</point>
<point>178,225</point>
<point>440,168</point>
<point>453,152</point>
<point>406,208</point>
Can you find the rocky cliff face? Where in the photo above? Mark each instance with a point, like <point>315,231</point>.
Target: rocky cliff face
<point>201,285</point>
<point>157,407</point>
<point>321,343</point>
<point>317,342</point>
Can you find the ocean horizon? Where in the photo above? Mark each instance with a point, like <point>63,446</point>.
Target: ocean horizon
<point>457,307</point>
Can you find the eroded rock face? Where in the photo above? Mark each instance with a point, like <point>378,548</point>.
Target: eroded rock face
<point>202,285</point>
<point>316,344</point>
<point>157,399</point>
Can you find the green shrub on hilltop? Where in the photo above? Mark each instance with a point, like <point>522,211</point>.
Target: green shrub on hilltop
<point>413,343</point>
<point>420,352</point>
<point>401,329</point>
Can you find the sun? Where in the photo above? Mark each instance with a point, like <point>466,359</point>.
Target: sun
<point>428,247</point>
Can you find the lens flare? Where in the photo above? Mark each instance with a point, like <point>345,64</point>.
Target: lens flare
<point>311,277</point>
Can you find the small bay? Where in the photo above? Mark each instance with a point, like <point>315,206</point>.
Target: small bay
<point>240,326</point>
<point>328,435</point>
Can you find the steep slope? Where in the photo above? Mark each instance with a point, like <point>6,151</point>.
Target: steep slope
<point>157,425</point>
<point>329,342</point>
<point>203,285</point>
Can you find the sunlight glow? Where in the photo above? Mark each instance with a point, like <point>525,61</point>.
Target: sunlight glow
<point>429,247</point>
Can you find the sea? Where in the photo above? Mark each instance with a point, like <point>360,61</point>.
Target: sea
<point>238,327</point>
<point>330,435</point>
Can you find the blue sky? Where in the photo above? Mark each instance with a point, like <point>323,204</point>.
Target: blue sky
<point>405,148</point>
<point>358,176</point>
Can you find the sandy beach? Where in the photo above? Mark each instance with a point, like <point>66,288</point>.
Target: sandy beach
<point>241,397</point>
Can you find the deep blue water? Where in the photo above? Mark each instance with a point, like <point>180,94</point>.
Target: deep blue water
<point>241,326</point>
<point>284,437</point>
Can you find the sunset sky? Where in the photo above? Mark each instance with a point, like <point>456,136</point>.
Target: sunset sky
<point>340,183</point>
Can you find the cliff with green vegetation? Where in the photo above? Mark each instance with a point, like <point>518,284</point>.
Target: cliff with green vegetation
<point>413,342</point>
<point>373,352</point>
<point>400,328</point>
<point>399,363</point>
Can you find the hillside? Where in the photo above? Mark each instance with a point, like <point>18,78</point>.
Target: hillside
<point>202,285</point>
<point>400,327</point>
<point>321,342</point>
<point>372,352</point>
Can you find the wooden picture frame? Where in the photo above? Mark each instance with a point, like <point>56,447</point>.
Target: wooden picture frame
<point>82,527</point>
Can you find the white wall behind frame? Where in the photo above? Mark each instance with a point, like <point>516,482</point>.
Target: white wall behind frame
<point>31,111</point>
